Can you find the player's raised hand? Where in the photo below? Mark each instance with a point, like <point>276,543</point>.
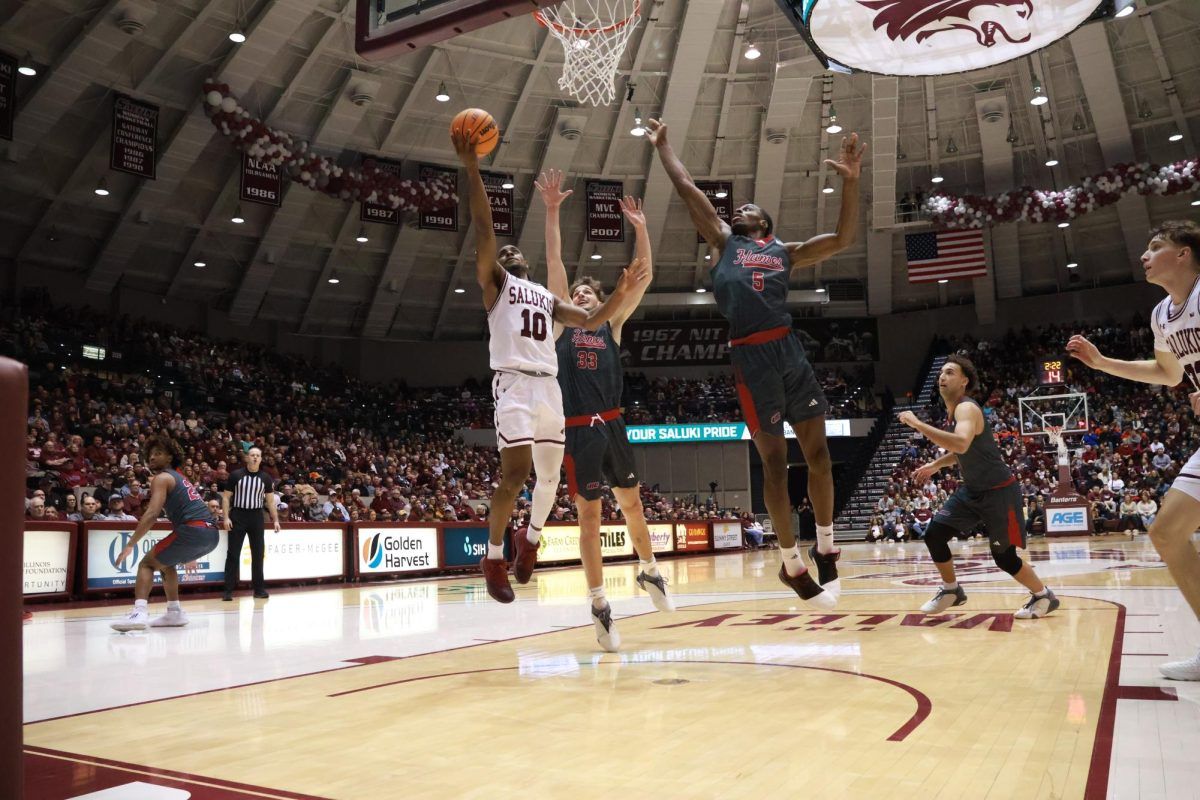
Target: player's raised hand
<point>849,160</point>
<point>1079,347</point>
<point>464,148</point>
<point>924,472</point>
<point>549,183</point>
<point>656,132</point>
<point>631,207</point>
<point>633,277</point>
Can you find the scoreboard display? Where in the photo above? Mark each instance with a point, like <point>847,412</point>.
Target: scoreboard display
<point>1052,372</point>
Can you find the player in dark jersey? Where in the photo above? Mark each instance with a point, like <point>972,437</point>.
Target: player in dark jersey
<point>776,384</point>
<point>598,451</point>
<point>195,535</point>
<point>989,494</point>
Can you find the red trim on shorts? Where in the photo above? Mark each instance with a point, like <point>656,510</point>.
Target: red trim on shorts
<point>569,466</point>
<point>762,337</point>
<point>1011,480</point>
<point>1014,529</point>
<point>588,420</point>
<point>163,544</point>
<point>747,403</point>
<point>199,523</point>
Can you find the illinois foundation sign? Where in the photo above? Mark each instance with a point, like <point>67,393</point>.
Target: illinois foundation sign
<point>935,37</point>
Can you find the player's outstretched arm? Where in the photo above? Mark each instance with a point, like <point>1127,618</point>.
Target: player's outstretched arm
<point>1163,369</point>
<point>968,421</point>
<point>487,270</point>
<point>631,207</point>
<point>823,246</point>
<point>159,486</point>
<point>706,219</point>
<point>549,185</point>
<point>927,471</point>
<point>634,278</point>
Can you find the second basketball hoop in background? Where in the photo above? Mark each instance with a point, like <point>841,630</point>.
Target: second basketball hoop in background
<point>594,34</point>
<point>480,128</point>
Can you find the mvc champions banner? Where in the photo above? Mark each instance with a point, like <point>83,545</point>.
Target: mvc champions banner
<point>443,219</point>
<point>134,137</point>
<point>379,212</point>
<point>723,205</point>
<point>501,201</point>
<point>262,182</point>
<point>605,222</point>
<point>8,95</point>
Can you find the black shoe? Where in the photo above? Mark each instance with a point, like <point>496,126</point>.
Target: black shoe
<point>227,596</point>
<point>826,565</point>
<point>808,590</point>
<point>261,595</point>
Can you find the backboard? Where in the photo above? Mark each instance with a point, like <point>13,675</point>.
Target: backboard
<point>389,28</point>
<point>1067,411</point>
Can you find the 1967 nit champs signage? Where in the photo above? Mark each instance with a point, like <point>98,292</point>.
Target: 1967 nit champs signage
<point>134,137</point>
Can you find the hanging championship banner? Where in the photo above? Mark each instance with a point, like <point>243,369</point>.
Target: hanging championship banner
<point>134,137</point>
<point>605,221</point>
<point>379,212</point>
<point>8,95</point>
<point>501,200</point>
<point>445,219</point>
<point>262,181</point>
<point>723,205</point>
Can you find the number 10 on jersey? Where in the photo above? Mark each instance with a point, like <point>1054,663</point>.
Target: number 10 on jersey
<point>534,324</point>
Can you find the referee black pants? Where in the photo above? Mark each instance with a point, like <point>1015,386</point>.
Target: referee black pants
<point>245,523</point>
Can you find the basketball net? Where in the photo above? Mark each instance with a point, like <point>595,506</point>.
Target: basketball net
<point>1055,434</point>
<point>594,34</point>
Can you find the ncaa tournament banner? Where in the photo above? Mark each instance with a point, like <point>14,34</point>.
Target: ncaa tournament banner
<point>605,222</point>
<point>46,557</point>
<point>304,550</point>
<point>691,536</point>
<point>8,95</point>
<point>104,541</point>
<point>723,205</point>
<point>443,219</point>
<point>662,539</point>
<point>134,137</point>
<point>384,550</point>
<point>379,212</point>
<point>727,535</point>
<point>463,547</point>
<point>262,182</point>
<point>501,201</point>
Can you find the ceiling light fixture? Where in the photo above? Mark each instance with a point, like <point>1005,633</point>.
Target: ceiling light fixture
<point>1072,265</point>
<point>460,290</point>
<point>752,51</point>
<point>508,183</point>
<point>936,178</point>
<point>720,194</point>
<point>833,123</point>
<point>1064,224</point>
<point>1051,162</point>
<point>596,254</point>
<point>1077,122</point>
<point>701,290</point>
<point>1039,97</point>
<point>1126,11</point>
<point>237,218</point>
<point>637,129</point>
<point>951,148</point>
<point>199,264</point>
<point>820,290</point>
<point>237,35</point>
<point>101,188</point>
<point>333,279</point>
<point>1012,135</point>
<point>441,96</point>
<point>1196,202</point>
<point>944,280</point>
<point>827,188</point>
<point>26,67</point>
<point>362,236</point>
<point>1175,137</point>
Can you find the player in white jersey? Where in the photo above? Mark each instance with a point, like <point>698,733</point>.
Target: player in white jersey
<point>1172,261</point>
<point>529,412</point>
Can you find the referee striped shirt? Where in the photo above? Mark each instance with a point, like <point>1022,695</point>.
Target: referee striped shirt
<point>247,489</point>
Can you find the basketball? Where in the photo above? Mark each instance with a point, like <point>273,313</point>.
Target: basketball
<point>480,128</point>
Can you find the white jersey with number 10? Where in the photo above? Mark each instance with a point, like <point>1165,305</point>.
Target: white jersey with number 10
<point>1177,331</point>
<point>521,324</point>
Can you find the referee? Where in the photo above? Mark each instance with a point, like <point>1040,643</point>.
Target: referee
<point>243,497</point>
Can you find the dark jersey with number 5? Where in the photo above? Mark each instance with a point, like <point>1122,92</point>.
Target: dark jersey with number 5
<point>184,503</point>
<point>589,370</point>
<point>750,282</point>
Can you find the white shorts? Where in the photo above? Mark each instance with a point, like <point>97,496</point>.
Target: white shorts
<point>1188,479</point>
<point>529,410</point>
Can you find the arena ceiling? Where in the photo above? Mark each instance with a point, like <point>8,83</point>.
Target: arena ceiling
<point>1117,91</point>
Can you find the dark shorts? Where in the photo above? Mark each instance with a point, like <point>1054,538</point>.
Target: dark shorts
<point>599,454</point>
<point>999,511</point>
<point>775,383</point>
<point>186,544</point>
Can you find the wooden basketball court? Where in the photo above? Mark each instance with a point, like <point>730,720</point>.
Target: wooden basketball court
<point>429,689</point>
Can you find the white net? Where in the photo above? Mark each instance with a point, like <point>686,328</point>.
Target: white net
<point>594,34</point>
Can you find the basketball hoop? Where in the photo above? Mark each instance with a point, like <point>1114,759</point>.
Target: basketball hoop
<point>594,34</point>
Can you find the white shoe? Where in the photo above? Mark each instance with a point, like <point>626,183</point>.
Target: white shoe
<point>945,598</point>
<point>1037,607</point>
<point>135,620</point>
<point>1188,670</point>
<point>606,629</point>
<point>656,587</point>
<point>174,618</point>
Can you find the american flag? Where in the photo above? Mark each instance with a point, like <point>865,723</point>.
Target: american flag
<point>945,255</point>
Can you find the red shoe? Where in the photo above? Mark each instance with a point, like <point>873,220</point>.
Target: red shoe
<point>526,556</point>
<point>814,595</point>
<point>495,575</point>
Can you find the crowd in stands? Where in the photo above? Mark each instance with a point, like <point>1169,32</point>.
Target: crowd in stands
<point>338,448</point>
<point>1138,439</point>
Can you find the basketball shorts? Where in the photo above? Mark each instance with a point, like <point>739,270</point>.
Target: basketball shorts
<point>186,544</point>
<point>775,383</point>
<point>1000,511</point>
<point>529,410</point>
<point>1188,479</point>
<point>599,454</point>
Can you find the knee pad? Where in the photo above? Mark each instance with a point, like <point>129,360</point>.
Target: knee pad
<point>1008,560</point>
<point>937,540</point>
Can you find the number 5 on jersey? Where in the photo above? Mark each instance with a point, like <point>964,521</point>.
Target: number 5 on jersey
<point>756,280</point>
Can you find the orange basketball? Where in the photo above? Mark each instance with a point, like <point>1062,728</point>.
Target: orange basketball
<point>480,128</point>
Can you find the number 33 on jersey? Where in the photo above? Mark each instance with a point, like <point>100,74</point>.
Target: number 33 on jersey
<point>520,322</point>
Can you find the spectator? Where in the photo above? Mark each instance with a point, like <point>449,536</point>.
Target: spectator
<point>1147,509</point>
<point>1130,520</point>
<point>89,511</point>
<point>116,510</point>
<point>38,510</point>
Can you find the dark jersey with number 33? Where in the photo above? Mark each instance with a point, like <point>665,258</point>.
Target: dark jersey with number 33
<point>184,503</point>
<point>589,370</point>
<point>750,282</point>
